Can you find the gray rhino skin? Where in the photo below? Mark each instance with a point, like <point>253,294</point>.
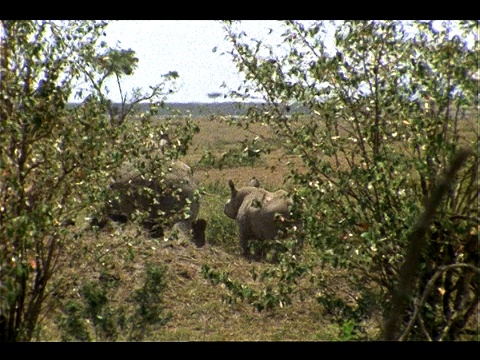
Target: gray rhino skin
<point>259,214</point>
<point>254,182</point>
<point>165,201</point>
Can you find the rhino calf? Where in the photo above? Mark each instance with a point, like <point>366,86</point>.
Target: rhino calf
<point>259,214</point>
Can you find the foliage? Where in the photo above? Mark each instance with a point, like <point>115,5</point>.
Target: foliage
<point>96,317</point>
<point>386,112</point>
<point>56,160</point>
<point>386,109</point>
<point>220,231</point>
<point>278,291</point>
<point>247,154</point>
<point>148,297</point>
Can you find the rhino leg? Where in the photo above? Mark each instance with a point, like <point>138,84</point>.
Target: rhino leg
<point>198,232</point>
<point>121,218</point>
<point>260,250</point>
<point>98,223</point>
<point>155,231</point>
<point>244,242</point>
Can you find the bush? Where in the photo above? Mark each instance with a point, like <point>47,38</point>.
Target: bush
<point>57,159</point>
<point>96,316</point>
<point>220,230</point>
<point>385,116</point>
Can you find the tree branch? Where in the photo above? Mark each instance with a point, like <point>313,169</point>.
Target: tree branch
<point>417,243</point>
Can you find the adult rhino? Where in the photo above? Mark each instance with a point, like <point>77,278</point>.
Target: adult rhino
<point>169,200</point>
<point>260,214</point>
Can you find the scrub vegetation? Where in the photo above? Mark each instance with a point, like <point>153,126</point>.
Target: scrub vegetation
<point>376,143</point>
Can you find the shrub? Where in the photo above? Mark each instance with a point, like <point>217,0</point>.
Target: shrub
<point>384,117</point>
<point>57,159</point>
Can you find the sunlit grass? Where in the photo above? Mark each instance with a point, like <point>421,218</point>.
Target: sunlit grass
<point>196,306</point>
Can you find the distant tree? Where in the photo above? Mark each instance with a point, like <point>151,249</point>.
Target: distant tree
<point>214,95</point>
<point>388,106</point>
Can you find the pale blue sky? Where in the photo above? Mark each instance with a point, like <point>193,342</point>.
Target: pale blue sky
<point>184,46</point>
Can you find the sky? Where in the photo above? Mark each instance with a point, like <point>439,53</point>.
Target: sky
<point>184,46</point>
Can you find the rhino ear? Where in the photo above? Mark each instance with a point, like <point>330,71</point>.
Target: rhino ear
<point>232,188</point>
<point>254,182</point>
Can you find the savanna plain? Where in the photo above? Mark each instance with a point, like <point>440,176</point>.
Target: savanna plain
<point>192,308</point>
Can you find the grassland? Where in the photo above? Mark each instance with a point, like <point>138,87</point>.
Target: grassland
<point>195,309</point>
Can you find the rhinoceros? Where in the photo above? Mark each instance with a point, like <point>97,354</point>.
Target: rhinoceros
<point>169,200</point>
<point>259,214</point>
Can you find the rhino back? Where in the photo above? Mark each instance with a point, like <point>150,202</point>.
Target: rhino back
<point>258,212</point>
<point>136,192</point>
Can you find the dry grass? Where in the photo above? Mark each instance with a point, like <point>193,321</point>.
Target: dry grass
<point>198,313</point>
<point>196,306</point>
<point>202,315</point>
<point>219,136</point>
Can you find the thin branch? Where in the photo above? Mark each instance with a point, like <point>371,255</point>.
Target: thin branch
<point>422,327</point>
<point>427,291</point>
